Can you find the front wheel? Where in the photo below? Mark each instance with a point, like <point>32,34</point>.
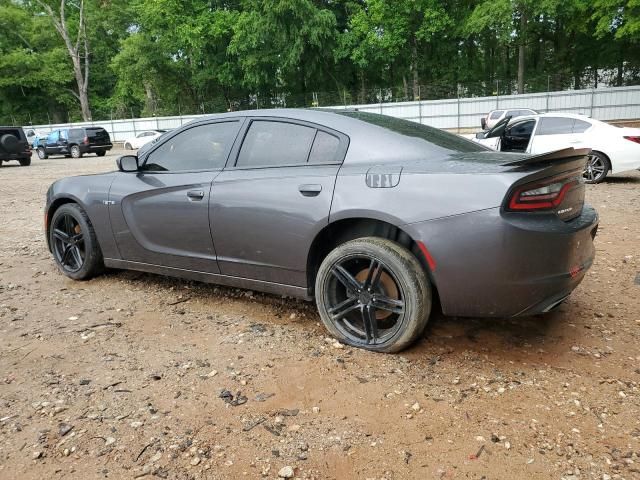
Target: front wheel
<point>374,294</point>
<point>42,154</point>
<point>25,162</point>
<point>75,151</point>
<point>597,168</point>
<point>74,243</point>
<point>101,153</point>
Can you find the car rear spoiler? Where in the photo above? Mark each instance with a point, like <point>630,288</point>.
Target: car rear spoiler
<point>566,154</point>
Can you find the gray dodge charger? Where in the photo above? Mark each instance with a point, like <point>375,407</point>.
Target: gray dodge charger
<point>374,217</point>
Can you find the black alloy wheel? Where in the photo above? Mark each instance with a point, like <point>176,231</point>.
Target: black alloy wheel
<point>68,243</point>
<point>374,294</point>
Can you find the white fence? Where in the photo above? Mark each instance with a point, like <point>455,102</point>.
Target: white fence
<point>616,103</point>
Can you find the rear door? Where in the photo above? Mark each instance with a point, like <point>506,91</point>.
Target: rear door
<point>274,197</point>
<point>555,133</point>
<point>160,215</point>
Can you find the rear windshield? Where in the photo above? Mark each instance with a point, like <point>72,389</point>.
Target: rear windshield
<point>412,129</point>
<point>96,132</point>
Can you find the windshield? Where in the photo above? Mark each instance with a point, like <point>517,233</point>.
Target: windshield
<point>432,135</point>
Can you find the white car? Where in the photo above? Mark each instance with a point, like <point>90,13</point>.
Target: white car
<point>142,139</point>
<point>614,149</point>
<point>494,116</point>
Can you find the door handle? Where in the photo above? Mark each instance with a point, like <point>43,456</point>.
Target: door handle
<point>310,190</point>
<point>195,194</point>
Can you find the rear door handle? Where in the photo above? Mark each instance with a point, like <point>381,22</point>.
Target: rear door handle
<point>310,190</point>
<point>195,194</point>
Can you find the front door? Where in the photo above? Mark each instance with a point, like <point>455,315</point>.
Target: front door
<point>267,207</point>
<point>160,215</point>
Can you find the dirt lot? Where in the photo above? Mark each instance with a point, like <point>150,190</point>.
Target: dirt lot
<point>121,376</point>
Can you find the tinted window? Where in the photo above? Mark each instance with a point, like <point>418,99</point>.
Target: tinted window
<point>555,126</point>
<point>54,136</point>
<point>521,129</point>
<point>98,132</point>
<point>431,135</point>
<point>325,148</point>
<point>579,126</point>
<point>199,148</point>
<point>496,114</point>
<point>76,133</point>
<point>270,144</point>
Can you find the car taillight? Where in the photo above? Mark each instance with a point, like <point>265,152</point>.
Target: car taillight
<point>86,140</point>
<point>543,195</point>
<point>633,138</point>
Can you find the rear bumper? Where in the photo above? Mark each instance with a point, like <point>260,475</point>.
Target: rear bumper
<point>95,148</point>
<point>494,264</point>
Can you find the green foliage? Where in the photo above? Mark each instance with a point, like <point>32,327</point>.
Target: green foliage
<point>156,57</point>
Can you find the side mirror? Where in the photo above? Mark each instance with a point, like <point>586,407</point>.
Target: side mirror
<point>128,163</point>
<point>480,135</point>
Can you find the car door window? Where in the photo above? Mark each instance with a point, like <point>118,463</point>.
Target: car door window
<point>520,129</point>
<point>269,144</point>
<point>580,126</point>
<point>556,126</point>
<point>204,147</point>
<point>496,114</point>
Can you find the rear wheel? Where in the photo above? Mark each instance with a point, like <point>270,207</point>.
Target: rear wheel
<point>75,151</point>
<point>127,146</point>
<point>597,168</point>
<point>42,154</point>
<point>74,243</point>
<point>25,162</point>
<point>374,294</point>
<point>101,153</point>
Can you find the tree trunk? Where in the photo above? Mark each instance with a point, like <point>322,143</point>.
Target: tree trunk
<point>414,69</point>
<point>406,87</point>
<point>521,52</point>
<point>150,99</point>
<point>78,52</point>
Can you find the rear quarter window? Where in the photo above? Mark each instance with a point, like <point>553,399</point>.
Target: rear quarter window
<point>555,126</point>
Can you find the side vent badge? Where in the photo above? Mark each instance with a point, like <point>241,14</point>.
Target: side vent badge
<point>383,177</point>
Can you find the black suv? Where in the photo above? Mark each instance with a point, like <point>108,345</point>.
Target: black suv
<point>74,142</point>
<point>14,146</point>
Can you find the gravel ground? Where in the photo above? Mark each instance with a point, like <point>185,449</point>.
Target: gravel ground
<point>133,375</point>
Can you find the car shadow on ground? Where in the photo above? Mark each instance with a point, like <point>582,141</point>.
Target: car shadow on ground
<point>502,339</point>
<point>620,180</point>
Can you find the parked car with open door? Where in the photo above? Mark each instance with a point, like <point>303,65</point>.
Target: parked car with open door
<point>613,149</point>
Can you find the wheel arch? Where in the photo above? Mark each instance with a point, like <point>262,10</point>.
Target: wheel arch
<point>350,228</point>
<point>51,210</point>
<point>607,157</point>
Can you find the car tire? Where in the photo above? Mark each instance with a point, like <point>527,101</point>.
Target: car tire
<point>101,153</point>
<point>42,154</point>
<point>127,146</point>
<point>387,285</point>
<point>597,168</point>
<point>75,151</point>
<point>25,162</point>
<point>9,143</point>
<point>77,259</point>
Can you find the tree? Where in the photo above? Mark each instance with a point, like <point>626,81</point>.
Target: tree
<point>78,50</point>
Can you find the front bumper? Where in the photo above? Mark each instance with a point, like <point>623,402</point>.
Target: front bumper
<point>495,264</point>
